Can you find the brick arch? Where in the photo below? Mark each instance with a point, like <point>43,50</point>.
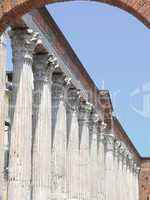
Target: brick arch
<point>10,9</point>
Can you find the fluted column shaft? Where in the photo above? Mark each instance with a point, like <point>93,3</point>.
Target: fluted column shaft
<point>109,163</point>
<point>101,163</point>
<point>120,172</point>
<point>72,159</point>
<point>23,44</point>
<point>94,157</point>
<point>137,182</point>
<point>84,158</point>
<point>59,137</point>
<point>124,175</point>
<point>41,158</point>
<point>116,168</point>
<point>3,55</point>
<point>131,179</point>
<point>128,178</point>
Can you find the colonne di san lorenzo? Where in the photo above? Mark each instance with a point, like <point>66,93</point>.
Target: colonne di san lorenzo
<point>58,136</point>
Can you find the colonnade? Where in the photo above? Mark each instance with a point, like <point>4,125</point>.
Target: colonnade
<point>121,170</point>
<point>60,148</point>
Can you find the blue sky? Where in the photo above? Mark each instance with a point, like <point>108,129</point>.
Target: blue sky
<point>114,48</point>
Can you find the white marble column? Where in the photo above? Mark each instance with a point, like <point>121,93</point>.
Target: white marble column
<point>116,168</point>
<point>128,175</point>
<point>94,157</point>
<point>23,44</point>
<point>72,159</point>
<point>131,179</point>
<point>84,158</point>
<point>137,182</point>
<point>101,161</point>
<point>41,154</point>
<point>124,169</point>
<point>121,179</point>
<point>3,58</point>
<point>109,165</point>
<point>59,137</point>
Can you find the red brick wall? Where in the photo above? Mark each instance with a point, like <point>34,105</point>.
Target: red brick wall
<point>144,179</point>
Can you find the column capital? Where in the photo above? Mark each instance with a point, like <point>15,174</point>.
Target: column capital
<point>42,68</point>
<point>116,147</point>
<point>134,166</point>
<point>109,142</point>
<point>84,111</point>
<point>52,63</point>
<point>125,154</point>
<point>138,169</point>
<point>131,162</point>
<point>121,151</point>
<point>94,120</point>
<point>72,100</point>
<point>60,86</point>
<point>24,42</point>
<point>94,123</point>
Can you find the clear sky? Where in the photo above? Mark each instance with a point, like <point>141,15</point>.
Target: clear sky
<point>114,48</point>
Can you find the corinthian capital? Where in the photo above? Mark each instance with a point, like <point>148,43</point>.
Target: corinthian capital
<point>94,122</point>
<point>52,62</point>
<point>116,147</point>
<point>72,100</point>
<point>24,42</point>
<point>60,85</point>
<point>109,142</point>
<point>85,109</point>
<point>137,171</point>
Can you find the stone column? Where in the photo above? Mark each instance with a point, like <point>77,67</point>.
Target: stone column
<point>94,157</point>
<point>137,182</point>
<point>101,161</point>
<point>121,177</point>
<point>23,44</point>
<point>72,159</point>
<point>109,163</point>
<point>124,169</point>
<point>128,175</point>
<point>3,57</point>
<point>84,158</point>
<point>131,178</point>
<point>41,158</point>
<point>116,168</point>
<point>59,137</point>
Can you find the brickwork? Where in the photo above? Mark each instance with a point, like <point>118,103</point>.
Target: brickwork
<point>11,10</point>
<point>145,179</point>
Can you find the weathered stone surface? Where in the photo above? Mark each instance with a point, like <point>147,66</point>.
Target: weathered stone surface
<point>41,154</point>
<point>19,185</point>
<point>3,55</point>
